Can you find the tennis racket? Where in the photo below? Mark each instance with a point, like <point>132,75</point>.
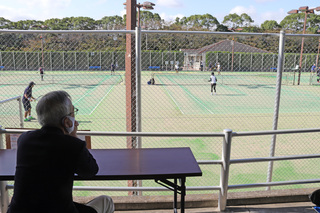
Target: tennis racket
<point>38,98</point>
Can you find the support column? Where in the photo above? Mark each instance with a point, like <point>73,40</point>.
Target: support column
<point>130,79</point>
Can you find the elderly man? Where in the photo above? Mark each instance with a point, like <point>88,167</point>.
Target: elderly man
<point>47,160</point>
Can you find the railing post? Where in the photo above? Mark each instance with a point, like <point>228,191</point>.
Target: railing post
<point>224,177</point>
<point>20,112</point>
<point>1,140</point>
<point>4,202</point>
<point>277,103</point>
<point>4,197</point>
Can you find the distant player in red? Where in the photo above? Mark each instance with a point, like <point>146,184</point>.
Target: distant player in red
<point>41,72</point>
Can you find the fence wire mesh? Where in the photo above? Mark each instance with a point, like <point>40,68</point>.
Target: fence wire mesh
<point>175,93</point>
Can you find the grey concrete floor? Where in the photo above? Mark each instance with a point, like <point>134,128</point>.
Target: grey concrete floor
<point>265,208</point>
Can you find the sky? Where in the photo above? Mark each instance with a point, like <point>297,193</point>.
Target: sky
<point>258,10</point>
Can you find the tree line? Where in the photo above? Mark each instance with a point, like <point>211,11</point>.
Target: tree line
<point>153,21</point>
<point>154,42</point>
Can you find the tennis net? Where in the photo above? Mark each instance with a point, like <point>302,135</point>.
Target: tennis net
<point>61,79</point>
<point>225,78</point>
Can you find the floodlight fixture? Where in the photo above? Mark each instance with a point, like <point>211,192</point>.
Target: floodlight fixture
<point>304,8</point>
<point>148,3</point>
<point>147,8</point>
<point>293,11</point>
<point>306,11</point>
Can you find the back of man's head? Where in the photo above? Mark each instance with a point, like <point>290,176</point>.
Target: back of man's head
<point>53,107</point>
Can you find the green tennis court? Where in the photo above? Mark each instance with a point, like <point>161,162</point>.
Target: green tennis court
<point>183,103</point>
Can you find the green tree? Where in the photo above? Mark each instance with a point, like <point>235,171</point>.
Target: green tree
<point>206,21</point>
<point>234,20</point>
<point>83,23</point>
<point>54,24</point>
<point>295,22</point>
<point>111,23</point>
<point>246,20</point>
<point>149,20</point>
<point>4,23</point>
<point>24,24</point>
<point>270,25</point>
<point>222,28</point>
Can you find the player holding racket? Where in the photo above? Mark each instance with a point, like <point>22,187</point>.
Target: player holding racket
<point>27,97</point>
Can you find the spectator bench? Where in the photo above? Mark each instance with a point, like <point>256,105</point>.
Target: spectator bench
<point>95,68</point>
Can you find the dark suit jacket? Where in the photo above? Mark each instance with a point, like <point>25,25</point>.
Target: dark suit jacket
<point>46,163</point>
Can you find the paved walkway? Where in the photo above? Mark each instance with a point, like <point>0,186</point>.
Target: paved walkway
<point>266,208</point>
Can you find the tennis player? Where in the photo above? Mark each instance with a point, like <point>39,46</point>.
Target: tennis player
<point>41,70</point>
<point>27,97</point>
<point>218,68</point>
<point>213,80</point>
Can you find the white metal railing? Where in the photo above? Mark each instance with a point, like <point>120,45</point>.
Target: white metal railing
<point>19,99</point>
<point>225,161</point>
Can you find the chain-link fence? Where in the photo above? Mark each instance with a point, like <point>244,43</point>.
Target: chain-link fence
<point>175,92</point>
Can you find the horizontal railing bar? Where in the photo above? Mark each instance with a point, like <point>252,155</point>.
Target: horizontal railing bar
<point>153,31</point>
<point>277,132</point>
<point>99,188</point>
<point>289,157</point>
<point>280,183</point>
<point>69,31</point>
<point>199,188</point>
<point>10,99</point>
<point>179,134</point>
<point>208,32</point>
<point>209,162</point>
<point>145,134</point>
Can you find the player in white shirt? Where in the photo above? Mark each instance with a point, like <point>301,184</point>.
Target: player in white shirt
<point>218,68</point>
<point>213,80</point>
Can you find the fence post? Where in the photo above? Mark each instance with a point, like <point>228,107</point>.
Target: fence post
<point>138,95</point>
<point>226,152</point>
<point>138,83</point>
<point>277,103</point>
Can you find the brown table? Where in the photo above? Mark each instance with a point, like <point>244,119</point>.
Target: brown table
<point>160,164</point>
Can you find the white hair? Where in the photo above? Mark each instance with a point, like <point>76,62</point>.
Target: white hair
<point>53,107</point>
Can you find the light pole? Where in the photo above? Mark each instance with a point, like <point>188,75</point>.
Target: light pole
<point>306,10</point>
<point>146,6</point>
<point>132,75</point>
<point>232,45</point>
<point>41,37</point>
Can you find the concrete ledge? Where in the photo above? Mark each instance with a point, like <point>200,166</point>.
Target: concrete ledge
<point>123,203</point>
<point>267,197</point>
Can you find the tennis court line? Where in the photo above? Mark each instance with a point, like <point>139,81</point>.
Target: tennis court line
<point>101,100</point>
<point>171,97</point>
<point>90,91</point>
<point>192,96</point>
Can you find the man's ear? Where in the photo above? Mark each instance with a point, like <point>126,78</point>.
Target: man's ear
<point>65,122</point>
